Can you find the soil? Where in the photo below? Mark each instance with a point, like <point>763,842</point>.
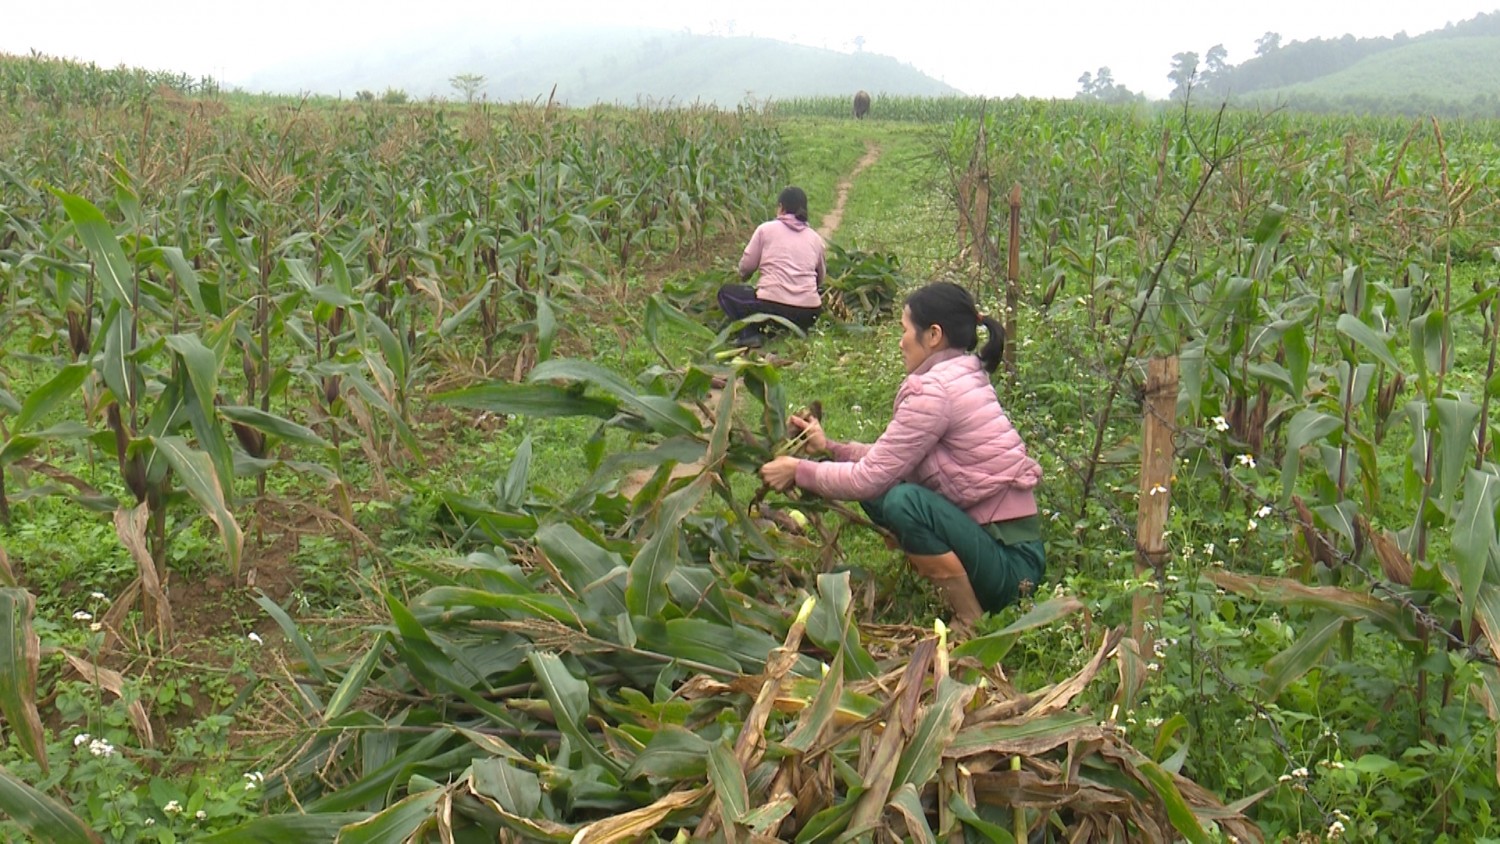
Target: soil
<point>834,218</point>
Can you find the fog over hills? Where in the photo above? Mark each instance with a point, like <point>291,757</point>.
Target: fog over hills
<point>596,64</point>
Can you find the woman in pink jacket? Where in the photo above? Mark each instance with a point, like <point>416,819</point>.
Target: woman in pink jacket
<point>949,476</point>
<point>791,261</point>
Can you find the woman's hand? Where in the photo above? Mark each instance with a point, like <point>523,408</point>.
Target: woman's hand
<point>809,426</point>
<point>780,474</point>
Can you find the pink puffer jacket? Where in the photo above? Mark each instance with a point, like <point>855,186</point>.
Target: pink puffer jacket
<point>948,434</point>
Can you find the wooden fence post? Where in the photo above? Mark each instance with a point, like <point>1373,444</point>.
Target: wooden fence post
<point>1157,465</point>
<point>1013,280</point>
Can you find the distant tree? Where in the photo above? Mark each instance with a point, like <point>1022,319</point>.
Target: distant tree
<point>1268,43</point>
<point>1086,86</point>
<point>468,84</point>
<point>859,43</point>
<point>1216,71</point>
<point>1101,87</point>
<point>394,96</point>
<point>365,96</point>
<point>1184,71</point>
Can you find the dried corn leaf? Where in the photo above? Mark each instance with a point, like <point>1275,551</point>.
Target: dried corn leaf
<point>114,683</point>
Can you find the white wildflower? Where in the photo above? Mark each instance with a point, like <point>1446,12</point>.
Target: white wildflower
<point>1335,830</point>
<point>81,615</point>
<point>254,780</point>
<point>1284,778</point>
<point>255,637</point>
<point>201,815</point>
<point>95,627</point>
<point>857,409</point>
<point>172,808</point>
<point>101,748</point>
<point>1152,666</point>
<point>98,596</point>
<point>150,822</point>
<point>1246,460</point>
<point>1158,490</point>
<point>1263,512</point>
<point>1221,424</point>
<point>1300,772</point>
<point>1208,549</point>
<point>1252,525</point>
<point>80,739</point>
<point>1153,723</point>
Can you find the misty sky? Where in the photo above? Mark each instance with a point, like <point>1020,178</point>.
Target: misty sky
<point>982,48</point>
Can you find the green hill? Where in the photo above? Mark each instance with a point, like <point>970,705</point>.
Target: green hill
<point>1453,71</point>
<point>590,65</point>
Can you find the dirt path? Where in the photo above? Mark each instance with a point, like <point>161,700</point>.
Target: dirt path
<point>833,218</point>
<point>634,481</point>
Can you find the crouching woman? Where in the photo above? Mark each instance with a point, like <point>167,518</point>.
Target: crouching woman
<point>949,476</point>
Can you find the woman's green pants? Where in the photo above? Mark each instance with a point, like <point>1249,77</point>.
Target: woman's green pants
<point>1004,560</point>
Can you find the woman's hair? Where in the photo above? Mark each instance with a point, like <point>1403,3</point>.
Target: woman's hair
<point>793,200</point>
<point>945,304</point>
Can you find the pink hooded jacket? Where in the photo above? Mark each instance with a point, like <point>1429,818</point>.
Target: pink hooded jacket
<point>790,257</point>
<point>948,434</point>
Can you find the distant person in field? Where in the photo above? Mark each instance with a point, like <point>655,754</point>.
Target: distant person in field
<point>949,476</point>
<point>790,257</point>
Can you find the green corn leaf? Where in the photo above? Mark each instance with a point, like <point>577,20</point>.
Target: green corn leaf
<point>270,423</point>
<point>355,679</point>
<point>201,366</point>
<point>313,828</point>
<point>44,399</point>
<point>518,791</point>
<point>391,347</point>
<point>645,587</point>
<point>728,780</point>
<point>1178,812</point>
<point>1373,342</point>
<point>1307,427</point>
<point>586,569</point>
<point>992,832</point>
<point>202,482</point>
<point>538,400</point>
<point>293,634</point>
<point>43,817</point>
<point>990,648</point>
<point>546,326</point>
<point>831,628</point>
<point>1298,356</point>
<point>533,605</point>
<point>1286,667</point>
<point>182,269</point>
<point>116,275</point>
<point>1457,421</point>
<point>674,754</point>
<point>829,824</point>
<point>659,412</point>
<point>1428,332</point>
<point>397,824</point>
<point>816,718</point>
<point>919,759</point>
<point>20,653</point>
<point>118,371</point>
<point>1474,534</point>
<point>569,697</point>
<point>513,490</point>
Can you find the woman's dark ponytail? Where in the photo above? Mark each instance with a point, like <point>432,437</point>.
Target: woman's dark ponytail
<point>793,200</point>
<point>946,304</point>
<point>994,349</point>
